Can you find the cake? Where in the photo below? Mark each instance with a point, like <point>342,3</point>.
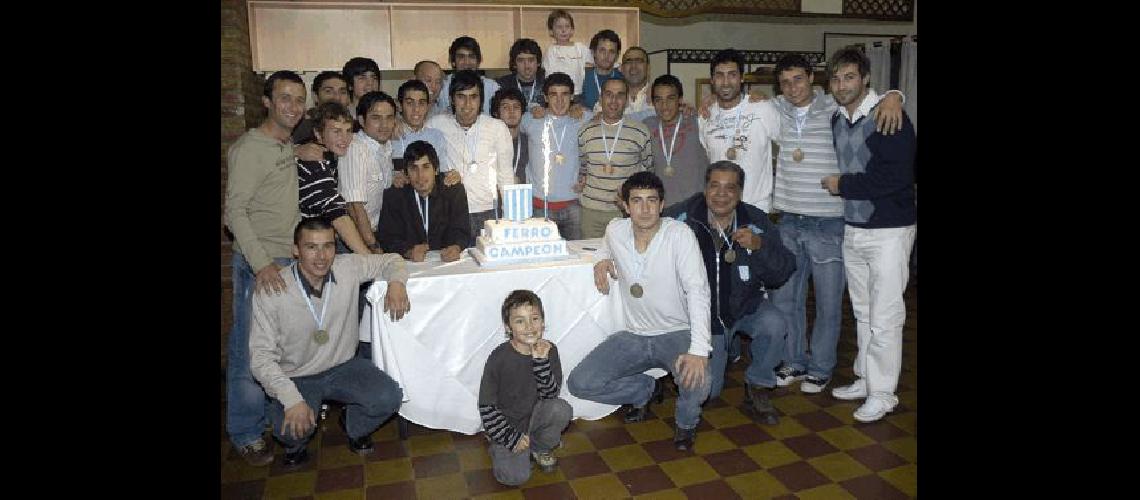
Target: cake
<point>518,237</point>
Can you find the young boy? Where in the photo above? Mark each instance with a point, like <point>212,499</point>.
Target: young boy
<point>518,395</point>
<point>565,56</point>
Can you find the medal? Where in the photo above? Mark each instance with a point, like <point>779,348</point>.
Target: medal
<point>731,154</point>
<point>669,171</point>
<point>730,256</point>
<point>472,167</point>
<point>609,169</point>
<point>798,155</point>
<point>668,153</point>
<point>320,337</point>
<point>636,291</point>
<point>558,158</point>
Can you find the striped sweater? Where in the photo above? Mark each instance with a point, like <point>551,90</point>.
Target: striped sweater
<point>631,154</point>
<point>797,189</point>
<point>512,383</point>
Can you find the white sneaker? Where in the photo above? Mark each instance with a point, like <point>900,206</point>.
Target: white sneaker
<point>857,390</point>
<point>786,375</point>
<point>813,385</point>
<point>874,409</point>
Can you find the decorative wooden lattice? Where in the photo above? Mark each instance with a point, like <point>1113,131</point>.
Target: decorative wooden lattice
<point>816,59</point>
<point>892,10</point>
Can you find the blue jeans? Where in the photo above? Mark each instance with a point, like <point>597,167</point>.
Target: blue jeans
<point>245,399</point>
<point>817,243</point>
<point>767,328</point>
<point>568,219</point>
<point>718,360</point>
<point>612,373</point>
<point>547,420</point>
<point>369,395</point>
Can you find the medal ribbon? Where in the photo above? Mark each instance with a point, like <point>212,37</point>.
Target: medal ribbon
<point>424,213</point>
<point>530,97</point>
<point>324,307</point>
<point>661,132</point>
<point>561,135</point>
<point>605,144</point>
<point>471,146</point>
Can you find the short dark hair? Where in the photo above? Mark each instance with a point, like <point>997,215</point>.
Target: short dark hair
<point>310,224</point>
<point>358,66</point>
<point>412,84</point>
<point>417,150</point>
<point>642,180</point>
<point>524,46</point>
<point>557,78</point>
<point>725,166</point>
<point>726,56</point>
<point>330,111</point>
<point>326,75</point>
<point>622,80</point>
<point>557,14</point>
<point>464,42</point>
<point>668,80</point>
<point>605,35</point>
<point>790,61</point>
<point>506,93</point>
<point>639,49</point>
<point>849,55</point>
<point>280,75</point>
<point>371,98</point>
<point>463,80</point>
<point>520,298</point>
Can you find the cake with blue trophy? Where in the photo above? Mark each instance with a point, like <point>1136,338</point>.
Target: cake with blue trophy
<point>518,237</point>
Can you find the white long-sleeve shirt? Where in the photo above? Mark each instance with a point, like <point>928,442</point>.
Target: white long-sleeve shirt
<point>489,143</point>
<point>672,276</point>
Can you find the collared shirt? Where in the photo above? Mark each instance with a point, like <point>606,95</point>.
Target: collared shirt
<point>750,127</point>
<point>313,292</point>
<point>564,176</point>
<point>490,141</point>
<point>568,59</point>
<point>489,88</point>
<point>261,197</point>
<point>365,172</point>
<point>869,101</point>
<point>281,344</point>
<point>639,107</point>
<point>672,276</point>
<point>592,90</point>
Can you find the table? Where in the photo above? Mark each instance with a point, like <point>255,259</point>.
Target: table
<point>437,351</point>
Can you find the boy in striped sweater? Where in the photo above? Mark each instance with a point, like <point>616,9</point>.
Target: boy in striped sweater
<point>518,395</point>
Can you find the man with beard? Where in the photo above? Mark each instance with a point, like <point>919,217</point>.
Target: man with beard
<point>605,45</point>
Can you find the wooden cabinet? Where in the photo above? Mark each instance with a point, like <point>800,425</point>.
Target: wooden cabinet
<point>318,36</point>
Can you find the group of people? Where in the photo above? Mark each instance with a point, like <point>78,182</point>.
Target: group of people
<point>322,202</point>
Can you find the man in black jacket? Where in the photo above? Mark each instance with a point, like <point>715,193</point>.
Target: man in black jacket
<point>744,258</point>
<point>424,214</point>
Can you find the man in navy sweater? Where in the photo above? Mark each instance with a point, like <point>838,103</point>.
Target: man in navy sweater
<point>877,186</point>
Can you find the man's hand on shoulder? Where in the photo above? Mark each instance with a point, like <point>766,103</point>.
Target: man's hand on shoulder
<point>452,177</point>
<point>396,302</point>
<point>309,152</point>
<point>888,114</point>
<point>269,278</point>
<point>601,280</point>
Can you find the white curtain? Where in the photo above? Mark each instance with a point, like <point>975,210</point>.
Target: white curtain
<point>908,79</point>
<point>880,57</point>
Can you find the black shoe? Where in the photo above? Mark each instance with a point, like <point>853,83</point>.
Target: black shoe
<point>762,405</point>
<point>361,445</point>
<point>295,459</point>
<point>683,438</point>
<point>658,392</point>
<point>635,414</point>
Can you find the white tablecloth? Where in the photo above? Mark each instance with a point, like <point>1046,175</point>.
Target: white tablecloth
<point>437,351</point>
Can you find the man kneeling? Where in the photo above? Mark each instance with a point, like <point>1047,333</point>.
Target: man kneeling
<point>518,395</point>
<point>303,340</point>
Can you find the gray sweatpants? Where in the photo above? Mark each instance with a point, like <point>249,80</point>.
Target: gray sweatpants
<point>547,420</point>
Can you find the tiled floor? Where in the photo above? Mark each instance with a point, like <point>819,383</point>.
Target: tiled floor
<point>816,451</point>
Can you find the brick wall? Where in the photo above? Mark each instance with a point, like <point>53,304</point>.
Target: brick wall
<point>241,110</point>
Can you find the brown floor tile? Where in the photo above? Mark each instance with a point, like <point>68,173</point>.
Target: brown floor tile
<point>645,480</point>
<point>818,420</point>
<point>713,489</point>
<point>245,490</point>
<point>876,457</point>
<point>609,438</point>
<point>881,431</point>
<point>731,463</point>
<point>387,450</point>
<point>556,491</point>
<point>463,441</point>
<point>395,491</point>
<point>809,446</point>
<point>582,465</point>
<point>664,451</point>
<point>483,481</point>
<point>872,487</point>
<point>435,465</point>
<point>744,435</point>
<point>799,476</point>
<point>340,478</point>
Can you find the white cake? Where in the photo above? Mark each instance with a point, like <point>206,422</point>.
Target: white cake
<point>510,242</point>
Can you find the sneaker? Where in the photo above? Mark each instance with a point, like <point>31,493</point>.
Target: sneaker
<point>857,390</point>
<point>874,409</point>
<point>635,414</point>
<point>295,459</point>
<point>762,405</point>
<point>256,453</point>
<point>813,385</point>
<point>683,438</point>
<point>545,460</point>
<point>787,374</point>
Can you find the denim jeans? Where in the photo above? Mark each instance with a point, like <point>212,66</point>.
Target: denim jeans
<point>547,421</point>
<point>369,395</point>
<point>568,219</point>
<point>245,399</point>
<point>817,243</point>
<point>612,373</point>
<point>768,330</point>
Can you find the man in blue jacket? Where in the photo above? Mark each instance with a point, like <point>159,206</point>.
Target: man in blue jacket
<point>744,258</point>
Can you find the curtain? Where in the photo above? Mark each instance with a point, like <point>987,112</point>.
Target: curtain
<point>908,79</point>
<point>880,57</point>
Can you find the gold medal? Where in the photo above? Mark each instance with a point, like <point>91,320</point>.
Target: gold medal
<point>636,291</point>
<point>472,167</point>
<point>558,158</point>
<point>320,337</point>
<point>797,155</point>
<point>730,256</point>
<point>669,171</point>
<point>731,154</point>
<point>609,169</point>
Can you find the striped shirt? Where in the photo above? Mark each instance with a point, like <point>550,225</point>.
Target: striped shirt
<point>797,189</point>
<point>318,189</point>
<point>631,154</point>
<point>365,172</point>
